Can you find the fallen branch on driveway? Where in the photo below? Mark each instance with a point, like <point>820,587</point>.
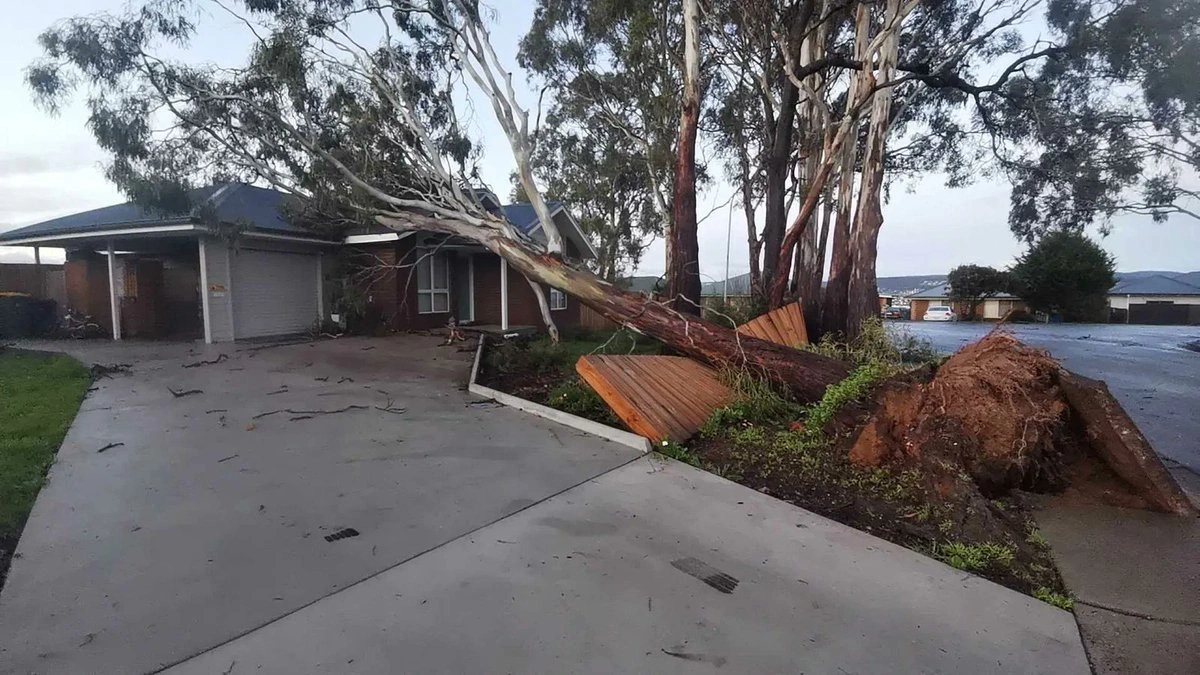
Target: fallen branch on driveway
<point>220,358</point>
<point>186,392</point>
<point>309,413</point>
<point>110,446</point>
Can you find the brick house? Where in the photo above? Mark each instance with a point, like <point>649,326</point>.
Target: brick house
<point>150,275</point>
<point>419,280</point>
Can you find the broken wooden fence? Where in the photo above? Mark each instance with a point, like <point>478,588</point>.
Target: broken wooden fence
<point>670,397</point>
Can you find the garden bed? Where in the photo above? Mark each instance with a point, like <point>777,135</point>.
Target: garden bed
<point>39,396</point>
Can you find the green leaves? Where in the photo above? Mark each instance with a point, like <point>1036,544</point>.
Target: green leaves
<point>1066,273</point>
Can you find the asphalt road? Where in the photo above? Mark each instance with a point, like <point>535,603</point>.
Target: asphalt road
<point>1146,368</point>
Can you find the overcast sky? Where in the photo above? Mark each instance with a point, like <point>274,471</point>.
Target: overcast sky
<point>50,166</point>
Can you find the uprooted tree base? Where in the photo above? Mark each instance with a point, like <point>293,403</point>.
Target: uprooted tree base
<point>950,461</point>
<point>1000,416</point>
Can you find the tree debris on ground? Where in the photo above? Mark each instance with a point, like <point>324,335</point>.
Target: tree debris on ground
<point>100,370</point>
<point>197,364</point>
<point>184,392</point>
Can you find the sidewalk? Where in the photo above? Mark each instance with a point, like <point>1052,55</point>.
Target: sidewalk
<point>1136,579</point>
<point>659,567</point>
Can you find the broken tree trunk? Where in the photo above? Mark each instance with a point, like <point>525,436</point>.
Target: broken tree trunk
<point>804,373</point>
<point>1117,440</point>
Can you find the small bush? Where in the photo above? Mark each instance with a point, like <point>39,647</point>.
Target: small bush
<point>856,386</point>
<point>755,402</point>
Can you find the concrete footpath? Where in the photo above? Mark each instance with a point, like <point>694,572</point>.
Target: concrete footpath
<point>1136,579</point>
<point>659,567</point>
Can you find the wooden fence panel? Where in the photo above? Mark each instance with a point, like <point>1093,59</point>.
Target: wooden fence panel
<point>784,326</point>
<point>593,320</point>
<point>659,397</point>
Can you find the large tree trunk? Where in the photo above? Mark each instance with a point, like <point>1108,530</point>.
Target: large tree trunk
<point>804,374</point>
<point>833,309</point>
<point>683,259</point>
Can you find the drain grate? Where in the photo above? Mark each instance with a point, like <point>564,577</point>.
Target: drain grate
<point>706,573</point>
<point>342,534</point>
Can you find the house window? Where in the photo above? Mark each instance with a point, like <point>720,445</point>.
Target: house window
<point>433,284</point>
<point>558,299</point>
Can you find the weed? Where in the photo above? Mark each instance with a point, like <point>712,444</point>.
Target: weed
<point>1052,598</point>
<point>974,557</point>
<point>1036,538</point>
<point>575,397</point>
<point>679,452</point>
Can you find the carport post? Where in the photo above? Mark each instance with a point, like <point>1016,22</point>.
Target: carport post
<point>503,294</point>
<point>39,272</point>
<point>113,305</point>
<point>205,309</point>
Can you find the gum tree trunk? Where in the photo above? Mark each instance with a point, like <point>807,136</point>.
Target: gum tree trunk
<point>683,258</point>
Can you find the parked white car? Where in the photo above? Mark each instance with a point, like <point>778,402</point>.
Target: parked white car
<point>939,313</point>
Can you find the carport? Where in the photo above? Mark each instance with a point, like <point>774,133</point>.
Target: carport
<point>233,267</point>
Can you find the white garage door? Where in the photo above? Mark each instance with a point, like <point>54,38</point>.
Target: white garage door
<point>274,293</point>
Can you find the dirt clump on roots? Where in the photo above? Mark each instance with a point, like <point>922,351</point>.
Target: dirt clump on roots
<point>992,412</point>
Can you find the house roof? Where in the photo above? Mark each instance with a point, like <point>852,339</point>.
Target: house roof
<point>942,292</point>
<point>1156,284</point>
<point>523,216</point>
<point>739,285</point>
<point>232,202</point>
<point>262,208</point>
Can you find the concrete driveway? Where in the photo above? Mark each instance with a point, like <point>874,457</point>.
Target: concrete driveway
<point>488,541</point>
<point>207,522</point>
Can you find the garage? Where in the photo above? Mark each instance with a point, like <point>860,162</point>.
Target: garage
<point>274,292</point>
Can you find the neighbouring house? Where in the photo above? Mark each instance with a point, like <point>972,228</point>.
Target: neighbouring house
<point>993,308</point>
<point>244,270</point>
<point>1154,299</point>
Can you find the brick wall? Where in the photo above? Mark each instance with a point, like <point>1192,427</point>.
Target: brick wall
<point>395,292</point>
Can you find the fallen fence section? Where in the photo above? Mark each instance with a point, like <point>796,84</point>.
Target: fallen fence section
<point>784,326</point>
<point>659,397</point>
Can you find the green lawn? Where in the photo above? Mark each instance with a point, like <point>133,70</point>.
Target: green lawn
<point>38,399</point>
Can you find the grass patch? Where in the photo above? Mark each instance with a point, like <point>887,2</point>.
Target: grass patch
<point>39,396</point>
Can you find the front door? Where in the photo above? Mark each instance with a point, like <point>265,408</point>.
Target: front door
<point>463,285</point>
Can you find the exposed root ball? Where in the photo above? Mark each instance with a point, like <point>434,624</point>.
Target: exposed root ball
<point>993,410</point>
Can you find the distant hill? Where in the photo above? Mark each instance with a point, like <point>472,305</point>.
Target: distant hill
<point>907,285</point>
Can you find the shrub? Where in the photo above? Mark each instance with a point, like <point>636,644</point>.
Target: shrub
<point>856,386</point>
<point>755,401</point>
